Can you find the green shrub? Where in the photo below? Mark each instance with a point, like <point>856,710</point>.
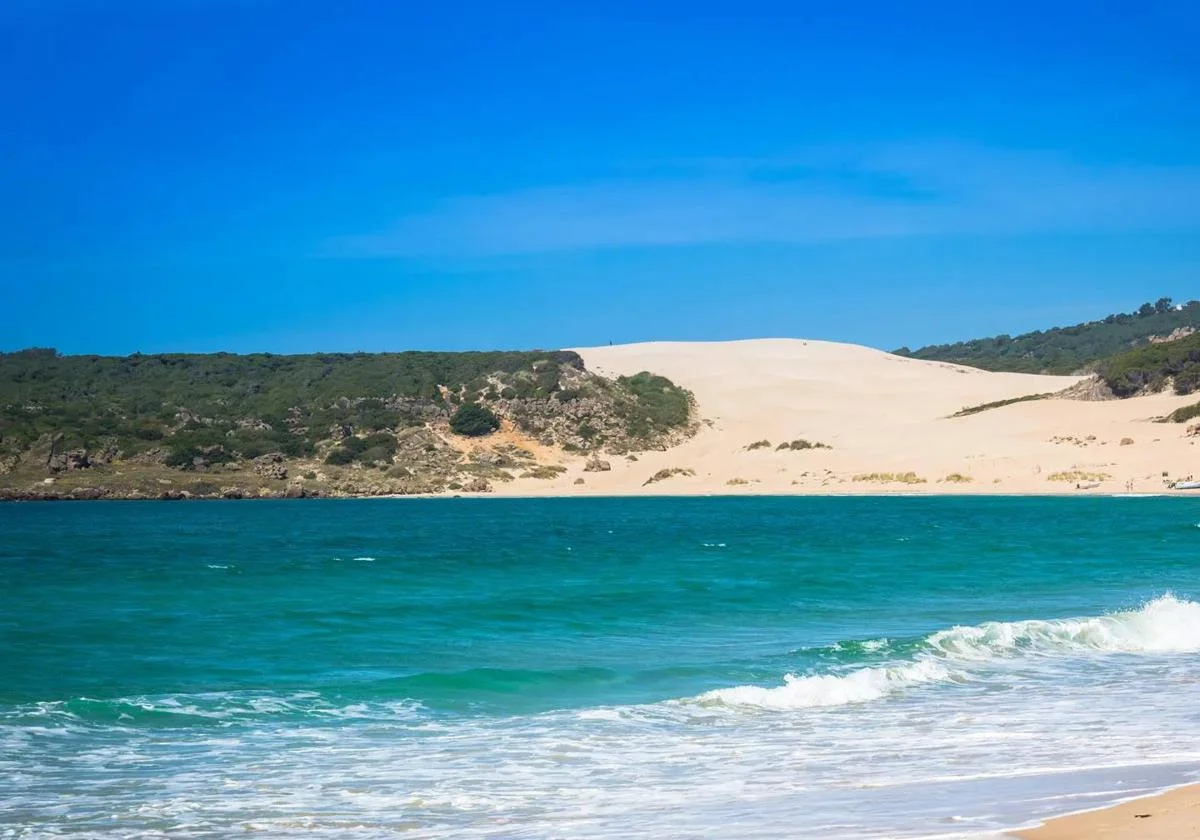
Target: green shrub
<point>668,472</point>
<point>183,457</point>
<point>355,445</point>
<point>474,420</point>
<point>377,454</point>
<point>1182,415</point>
<point>379,446</point>
<point>544,471</point>
<point>658,404</point>
<point>146,431</point>
<point>339,457</point>
<point>802,444</point>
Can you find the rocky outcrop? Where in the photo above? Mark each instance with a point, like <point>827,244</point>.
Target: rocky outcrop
<point>270,466</point>
<point>1175,335</point>
<point>597,465</point>
<point>88,493</point>
<point>70,460</point>
<point>340,431</point>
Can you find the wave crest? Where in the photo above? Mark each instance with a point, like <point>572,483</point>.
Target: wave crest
<point>1165,625</point>
<point>830,690</point>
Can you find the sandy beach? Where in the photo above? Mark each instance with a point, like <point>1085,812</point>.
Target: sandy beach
<point>1174,815</point>
<point>888,425</point>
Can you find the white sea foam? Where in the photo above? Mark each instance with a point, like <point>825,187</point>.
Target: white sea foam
<point>1164,625</point>
<point>829,690</point>
<point>1040,723</point>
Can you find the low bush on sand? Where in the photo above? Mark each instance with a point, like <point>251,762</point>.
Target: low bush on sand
<point>801,444</point>
<point>1077,476</point>
<point>891,478</point>
<point>544,471</point>
<point>663,475</point>
<point>976,409</point>
<point>1182,415</point>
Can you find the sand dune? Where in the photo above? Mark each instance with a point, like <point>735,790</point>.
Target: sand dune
<point>880,414</point>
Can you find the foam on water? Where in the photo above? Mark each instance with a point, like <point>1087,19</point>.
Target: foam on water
<point>480,681</point>
<point>1164,625</point>
<point>829,690</point>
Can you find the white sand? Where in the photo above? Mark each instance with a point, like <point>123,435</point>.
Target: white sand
<point>881,414</point>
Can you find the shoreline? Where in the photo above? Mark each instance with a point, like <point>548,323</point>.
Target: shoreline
<point>1171,814</point>
<point>699,493</point>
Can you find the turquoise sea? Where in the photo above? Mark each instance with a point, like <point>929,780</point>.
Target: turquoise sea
<point>599,668</point>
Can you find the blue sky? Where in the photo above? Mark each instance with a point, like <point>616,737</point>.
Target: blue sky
<point>246,175</point>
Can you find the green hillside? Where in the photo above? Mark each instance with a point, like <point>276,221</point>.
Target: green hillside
<point>187,399</point>
<point>1064,350</point>
<point>92,419</point>
<point>1153,366</point>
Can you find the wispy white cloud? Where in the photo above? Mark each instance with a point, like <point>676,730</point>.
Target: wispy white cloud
<point>816,196</point>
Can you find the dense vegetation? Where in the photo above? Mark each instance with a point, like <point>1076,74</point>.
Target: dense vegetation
<point>200,411</point>
<point>248,404</point>
<point>658,405</point>
<point>1067,349</point>
<point>1151,367</point>
<point>372,448</point>
<point>474,420</point>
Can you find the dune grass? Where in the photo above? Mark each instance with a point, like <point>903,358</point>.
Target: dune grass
<point>977,409</point>
<point>1078,475</point>
<point>890,478</point>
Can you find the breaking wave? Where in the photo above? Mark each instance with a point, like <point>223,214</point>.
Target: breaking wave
<point>1165,625</point>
